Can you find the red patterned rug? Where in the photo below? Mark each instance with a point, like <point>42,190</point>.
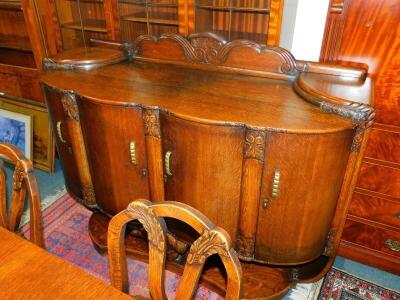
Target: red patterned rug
<point>66,234</point>
<point>343,286</point>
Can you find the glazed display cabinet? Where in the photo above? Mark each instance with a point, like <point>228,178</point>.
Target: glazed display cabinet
<point>125,20</point>
<point>80,20</point>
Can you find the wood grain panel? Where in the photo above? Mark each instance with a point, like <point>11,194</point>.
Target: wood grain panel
<point>310,182</point>
<point>375,209</point>
<point>206,167</point>
<point>371,35</point>
<point>108,132</point>
<point>382,179</point>
<point>368,32</point>
<point>371,237</point>
<point>20,82</point>
<point>384,144</point>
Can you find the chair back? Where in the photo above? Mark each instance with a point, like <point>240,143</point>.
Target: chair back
<point>24,182</point>
<point>212,240</point>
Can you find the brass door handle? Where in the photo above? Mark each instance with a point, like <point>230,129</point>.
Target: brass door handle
<point>132,151</point>
<point>275,184</point>
<point>393,245</point>
<point>59,133</point>
<point>167,162</point>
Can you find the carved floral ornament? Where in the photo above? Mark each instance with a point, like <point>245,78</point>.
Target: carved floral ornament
<point>254,145</point>
<point>151,123</point>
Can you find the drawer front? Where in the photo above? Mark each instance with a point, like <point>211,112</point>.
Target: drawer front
<point>375,209</point>
<point>293,225</point>
<point>381,179</point>
<point>384,145</point>
<point>374,238</point>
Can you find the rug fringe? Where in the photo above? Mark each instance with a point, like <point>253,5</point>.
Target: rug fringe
<point>305,291</point>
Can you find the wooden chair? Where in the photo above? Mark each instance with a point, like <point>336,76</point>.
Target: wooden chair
<point>24,181</point>
<point>212,240</point>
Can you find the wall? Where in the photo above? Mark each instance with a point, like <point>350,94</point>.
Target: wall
<point>303,27</point>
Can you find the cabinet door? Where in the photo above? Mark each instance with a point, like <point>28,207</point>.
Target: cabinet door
<point>205,167</point>
<point>302,179</point>
<point>114,139</point>
<point>63,142</point>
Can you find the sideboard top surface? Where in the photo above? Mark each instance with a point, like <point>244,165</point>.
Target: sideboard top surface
<point>206,96</point>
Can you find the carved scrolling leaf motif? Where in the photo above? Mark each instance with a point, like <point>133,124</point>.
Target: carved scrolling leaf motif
<point>358,112</point>
<point>209,243</point>
<point>151,123</point>
<point>245,246</point>
<point>209,48</point>
<point>329,246</point>
<point>254,145</point>
<point>18,176</point>
<point>89,196</point>
<point>357,139</point>
<point>68,101</point>
<point>148,219</point>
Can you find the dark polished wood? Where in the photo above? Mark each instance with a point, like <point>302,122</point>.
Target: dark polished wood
<point>23,45</point>
<point>28,271</point>
<point>367,33</point>
<point>274,143</point>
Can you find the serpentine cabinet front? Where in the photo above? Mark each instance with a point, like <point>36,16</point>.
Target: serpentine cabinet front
<point>246,181</point>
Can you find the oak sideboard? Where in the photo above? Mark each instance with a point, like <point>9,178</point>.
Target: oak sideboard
<point>266,146</point>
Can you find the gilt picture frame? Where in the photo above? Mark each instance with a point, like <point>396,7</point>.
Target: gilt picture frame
<point>43,144</point>
<point>16,128</point>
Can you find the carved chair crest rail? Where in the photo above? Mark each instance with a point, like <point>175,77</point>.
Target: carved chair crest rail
<point>212,240</point>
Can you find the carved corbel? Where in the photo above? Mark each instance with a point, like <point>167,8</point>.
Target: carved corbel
<point>254,145</point>
<point>70,107</point>
<point>151,123</point>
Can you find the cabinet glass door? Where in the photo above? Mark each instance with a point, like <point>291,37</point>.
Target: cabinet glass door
<point>80,16</point>
<point>153,17</point>
<point>234,19</point>
<point>15,46</point>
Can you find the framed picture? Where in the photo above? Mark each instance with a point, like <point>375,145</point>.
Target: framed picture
<point>43,145</point>
<point>16,128</point>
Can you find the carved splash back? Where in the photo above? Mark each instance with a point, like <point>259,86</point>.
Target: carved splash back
<point>209,49</point>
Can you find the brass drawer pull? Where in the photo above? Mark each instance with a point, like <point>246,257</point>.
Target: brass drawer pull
<point>59,133</point>
<point>132,150</point>
<point>393,245</point>
<point>275,184</point>
<point>397,215</point>
<point>167,163</point>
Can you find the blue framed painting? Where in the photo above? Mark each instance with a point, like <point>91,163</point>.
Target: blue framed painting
<point>16,128</point>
